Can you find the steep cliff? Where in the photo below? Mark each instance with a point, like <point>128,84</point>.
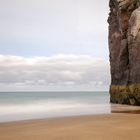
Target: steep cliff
<point>124,47</point>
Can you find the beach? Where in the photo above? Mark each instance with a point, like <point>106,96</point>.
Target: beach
<point>66,116</point>
<point>115,126</point>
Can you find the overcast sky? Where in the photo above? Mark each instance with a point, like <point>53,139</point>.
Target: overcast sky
<point>54,45</point>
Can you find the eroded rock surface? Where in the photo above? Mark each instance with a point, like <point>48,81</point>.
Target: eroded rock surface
<point>124,47</point>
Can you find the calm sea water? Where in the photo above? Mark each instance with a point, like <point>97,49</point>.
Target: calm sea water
<point>16,106</point>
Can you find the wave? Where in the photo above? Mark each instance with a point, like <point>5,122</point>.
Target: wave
<point>49,108</point>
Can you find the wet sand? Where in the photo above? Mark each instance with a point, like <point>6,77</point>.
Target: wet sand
<point>115,126</point>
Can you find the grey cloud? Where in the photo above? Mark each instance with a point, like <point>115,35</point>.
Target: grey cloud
<point>56,71</point>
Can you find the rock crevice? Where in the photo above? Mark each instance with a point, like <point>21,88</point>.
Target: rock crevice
<point>124,47</point>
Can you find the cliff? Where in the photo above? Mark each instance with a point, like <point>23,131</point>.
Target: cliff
<point>124,47</point>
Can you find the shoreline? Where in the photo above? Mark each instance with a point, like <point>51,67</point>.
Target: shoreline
<point>55,118</point>
<point>114,108</point>
<point>114,126</point>
<point>122,123</point>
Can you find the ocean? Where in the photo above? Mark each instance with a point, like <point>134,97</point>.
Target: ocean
<point>16,106</point>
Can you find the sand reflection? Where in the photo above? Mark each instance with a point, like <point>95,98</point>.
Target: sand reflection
<point>115,108</point>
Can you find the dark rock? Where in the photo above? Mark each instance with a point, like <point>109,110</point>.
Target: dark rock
<point>124,47</point>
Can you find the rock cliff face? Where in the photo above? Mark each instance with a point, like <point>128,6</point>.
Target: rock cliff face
<point>124,47</point>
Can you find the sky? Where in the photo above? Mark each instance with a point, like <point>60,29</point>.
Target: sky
<point>54,45</point>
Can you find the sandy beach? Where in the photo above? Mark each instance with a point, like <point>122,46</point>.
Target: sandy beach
<point>115,126</point>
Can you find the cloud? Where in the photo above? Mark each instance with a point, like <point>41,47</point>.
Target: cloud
<point>60,72</point>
